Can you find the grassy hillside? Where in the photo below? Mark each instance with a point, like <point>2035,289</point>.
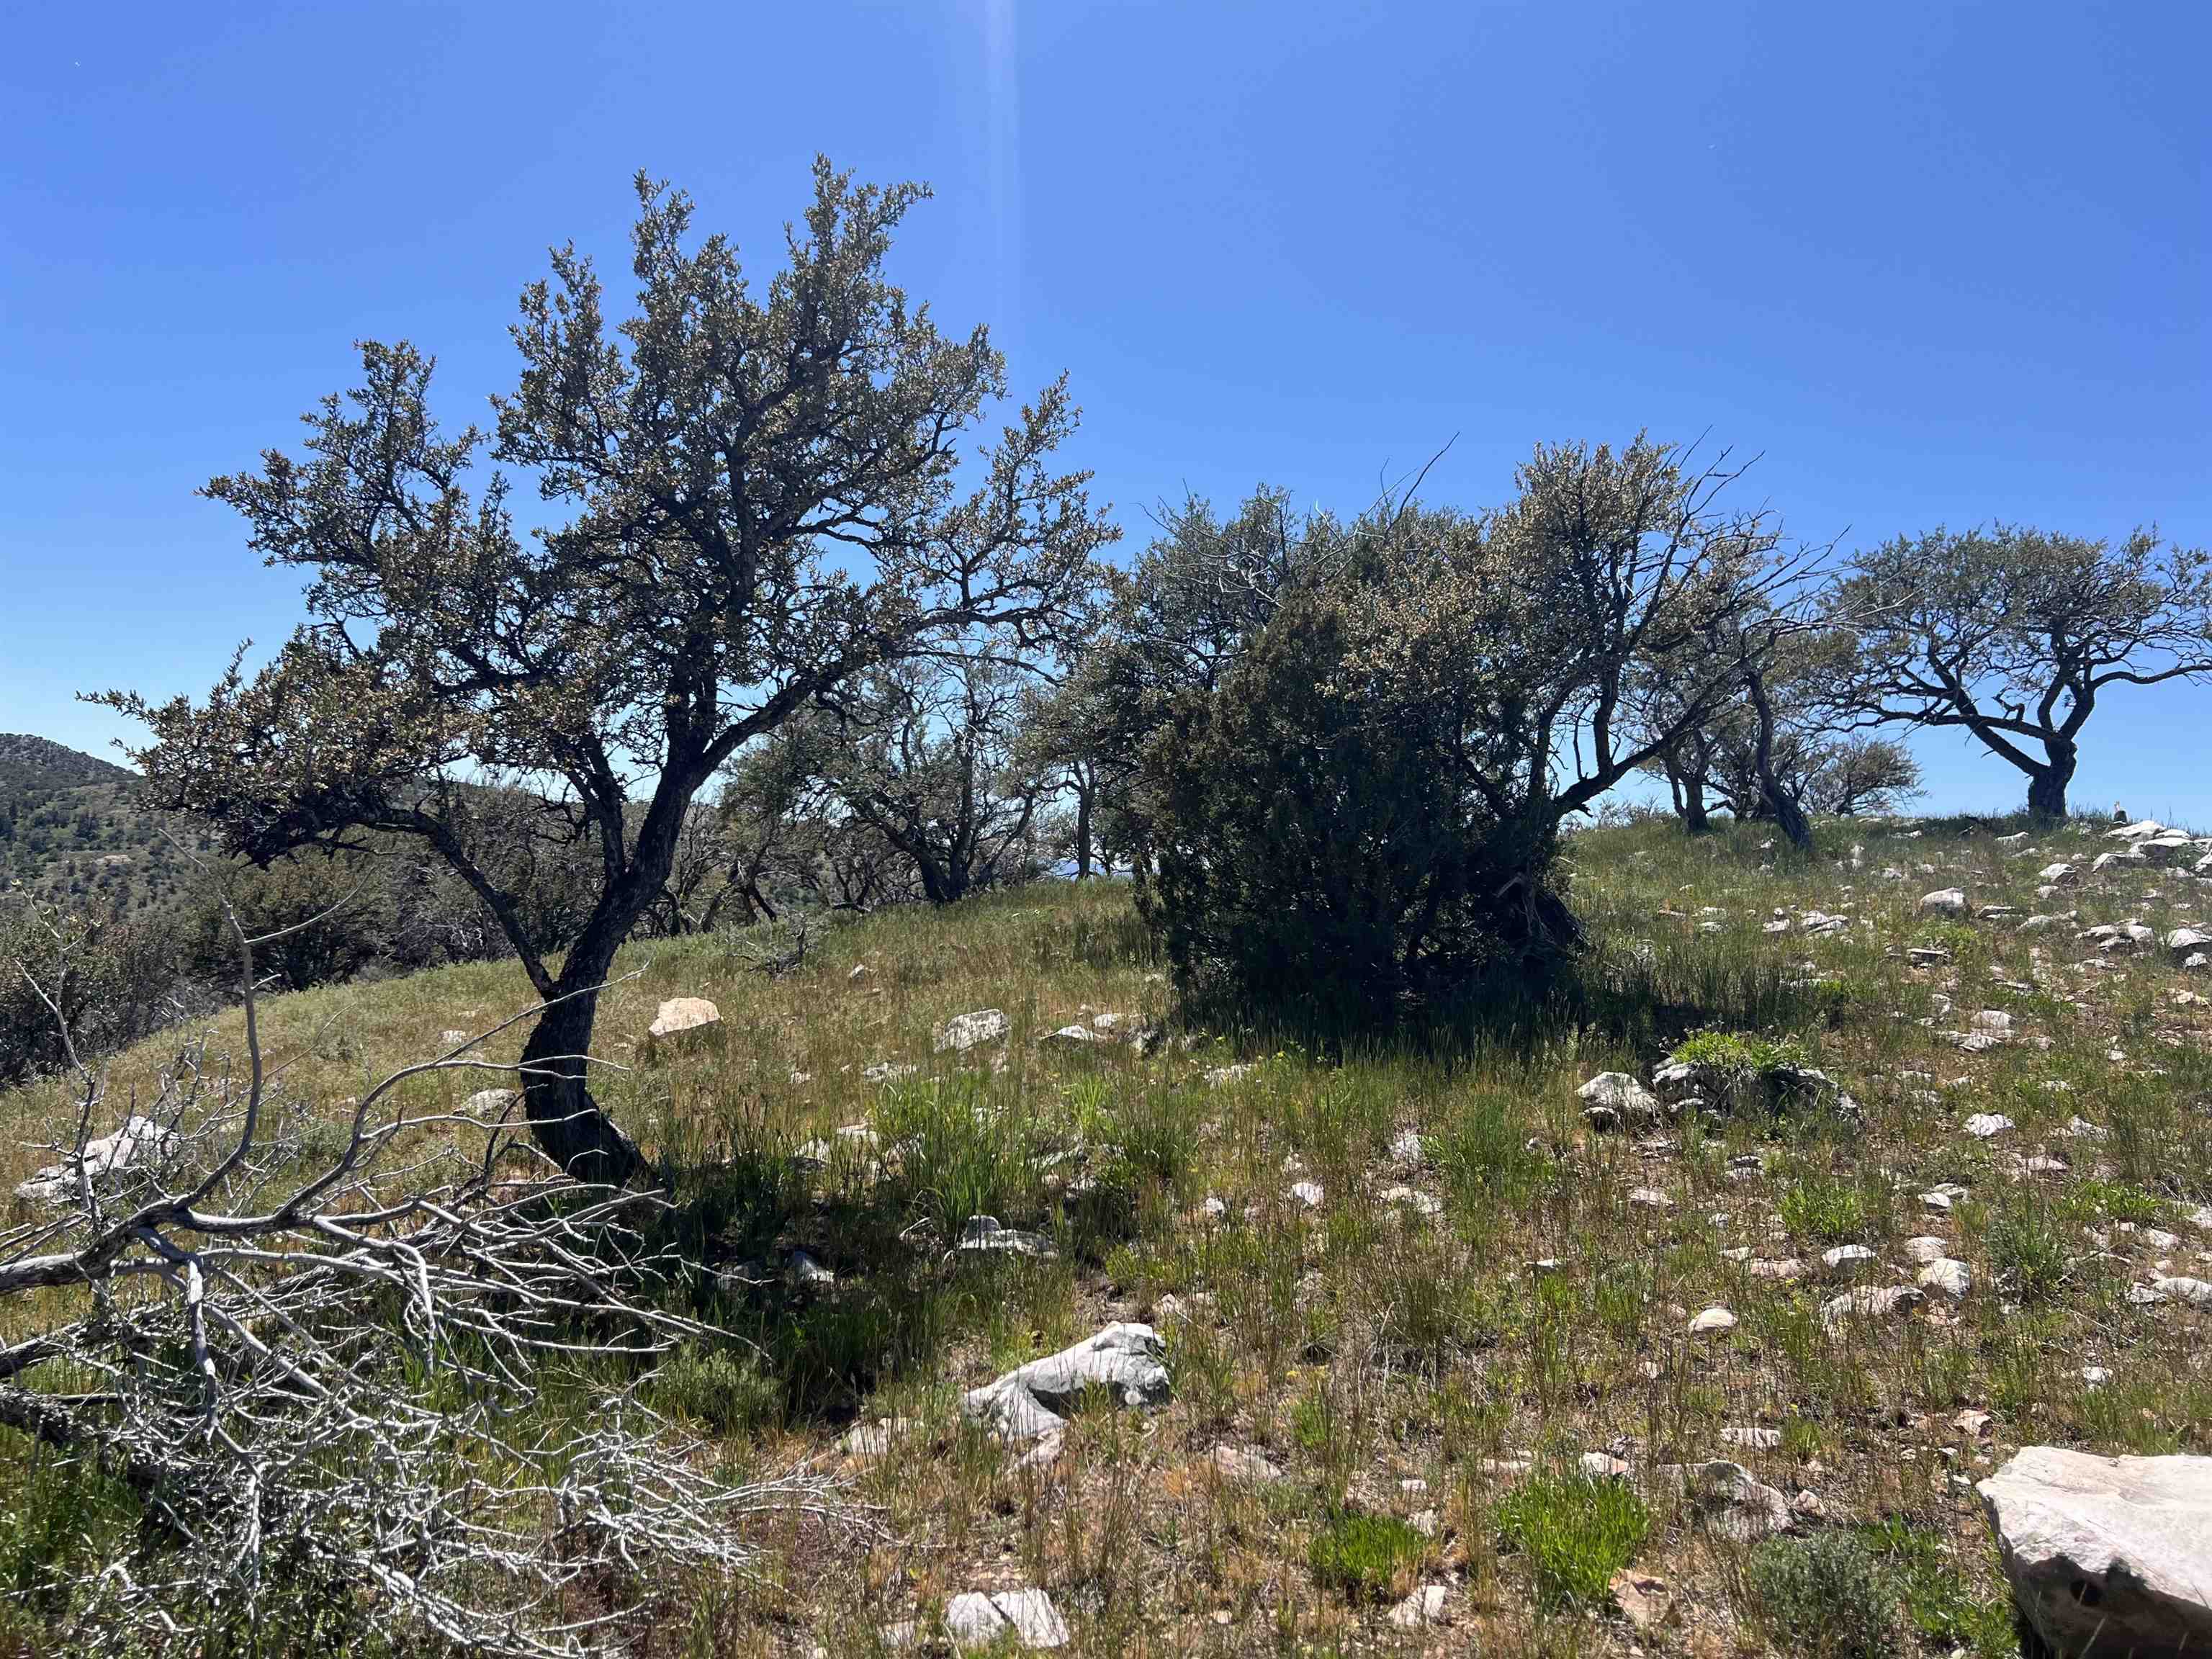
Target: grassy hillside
<point>1406,1295</point>
<point>72,832</point>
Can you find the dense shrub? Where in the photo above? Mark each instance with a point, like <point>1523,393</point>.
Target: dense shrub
<point>1830,1598</point>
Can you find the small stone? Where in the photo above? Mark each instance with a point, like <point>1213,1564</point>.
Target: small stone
<point>1752,1439</point>
<point>965,1031</point>
<point>1650,1197</point>
<point>1870,1302</point>
<point>1925,1248</point>
<point>1643,1600</point>
<point>2196,1292</point>
<point>1713,1321</point>
<point>1949,901</point>
<point>1241,1464</point>
<point>1846,1261</point>
<point>1425,1605</point>
<point>1950,1278</point>
<point>683,1014</point>
<point>1309,1193</point>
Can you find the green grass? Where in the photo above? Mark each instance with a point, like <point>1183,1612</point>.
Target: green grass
<point>1576,1533</point>
<point>1398,1332</point>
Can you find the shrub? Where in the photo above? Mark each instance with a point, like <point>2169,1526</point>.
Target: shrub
<point>1576,1534</point>
<point>719,1390</point>
<point>1827,1599</point>
<point>2027,1249</point>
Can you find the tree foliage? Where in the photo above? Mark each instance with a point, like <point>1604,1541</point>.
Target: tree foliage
<point>2012,634</point>
<point>1355,794</point>
<point>761,505</point>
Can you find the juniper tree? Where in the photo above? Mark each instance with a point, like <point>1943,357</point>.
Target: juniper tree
<point>754,499</point>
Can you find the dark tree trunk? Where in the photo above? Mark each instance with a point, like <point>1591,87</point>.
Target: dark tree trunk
<point>564,1119</point>
<point>1691,804</point>
<point>1082,831</point>
<point>1777,800</point>
<point>2046,789</point>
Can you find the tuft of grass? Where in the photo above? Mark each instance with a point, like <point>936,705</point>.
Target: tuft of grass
<point>720,1389</point>
<point>1576,1534</point>
<point>1822,1207</point>
<point>1362,1554</point>
<point>2028,1251</point>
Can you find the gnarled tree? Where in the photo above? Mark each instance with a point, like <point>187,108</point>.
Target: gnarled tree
<point>2012,634</point>
<point>760,504</point>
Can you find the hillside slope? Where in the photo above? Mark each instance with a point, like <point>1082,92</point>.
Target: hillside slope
<point>1409,1302</point>
<point>73,833</point>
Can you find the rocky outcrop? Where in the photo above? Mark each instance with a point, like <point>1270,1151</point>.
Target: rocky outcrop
<point>2107,1555</point>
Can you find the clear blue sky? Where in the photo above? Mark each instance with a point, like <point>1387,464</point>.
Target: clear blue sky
<point>1937,262</point>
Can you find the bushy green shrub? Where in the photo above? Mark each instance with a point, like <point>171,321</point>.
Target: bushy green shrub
<point>1830,1598</point>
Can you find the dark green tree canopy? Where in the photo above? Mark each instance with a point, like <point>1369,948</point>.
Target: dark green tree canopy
<point>758,500</point>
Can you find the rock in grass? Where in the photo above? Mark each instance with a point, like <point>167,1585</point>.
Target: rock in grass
<point>1870,1303</point>
<point>1986,1125</point>
<point>965,1031</point>
<point>1713,1321</point>
<point>1948,1277</point>
<point>974,1619</point>
<point>139,1138</point>
<point>2196,1292</point>
<point>1925,1248</point>
<point>1945,901</point>
<point>2107,1555</point>
<point>679,1014</point>
<point>2182,941</point>
<point>1123,1359</point>
<point>984,1233</point>
<point>1615,1097</point>
<point>1425,1605</point>
<point>1070,1036</point>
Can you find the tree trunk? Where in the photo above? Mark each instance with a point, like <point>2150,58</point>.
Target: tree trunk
<point>1777,800</point>
<point>2046,789</point>
<point>1082,831</point>
<point>564,1119</point>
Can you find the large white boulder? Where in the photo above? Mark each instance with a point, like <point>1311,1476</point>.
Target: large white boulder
<point>1025,1404</point>
<point>683,1014</point>
<point>2107,1555</point>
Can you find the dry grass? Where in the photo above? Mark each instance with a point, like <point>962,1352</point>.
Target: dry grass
<point>1386,1361</point>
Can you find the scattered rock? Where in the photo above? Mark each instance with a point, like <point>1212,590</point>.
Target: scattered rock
<point>1024,1404</point>
<point>974,1619</point>
<point>984,1233</point>
<point>1643,1600</point>
<point>683,1014</point>
<point>1425,1605</point>
<point>1713,1321</point>
<point>1870,1302</point>
<point>1752,1439</point>
<point>1309,1193</point>
<point>1070,1036</point>
<point>965,1031</point>
<point>2109,1555</point>
<point>1984,1126</point>
<point>1948,901</point>
<point>2196,1292</point>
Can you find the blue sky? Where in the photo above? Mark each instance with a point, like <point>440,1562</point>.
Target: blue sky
<point>1936,264</point>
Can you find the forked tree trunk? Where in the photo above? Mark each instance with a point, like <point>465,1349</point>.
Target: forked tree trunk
<point>1773,795</point>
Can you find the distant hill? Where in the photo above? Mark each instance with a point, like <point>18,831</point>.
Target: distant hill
<point>72,831</point>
